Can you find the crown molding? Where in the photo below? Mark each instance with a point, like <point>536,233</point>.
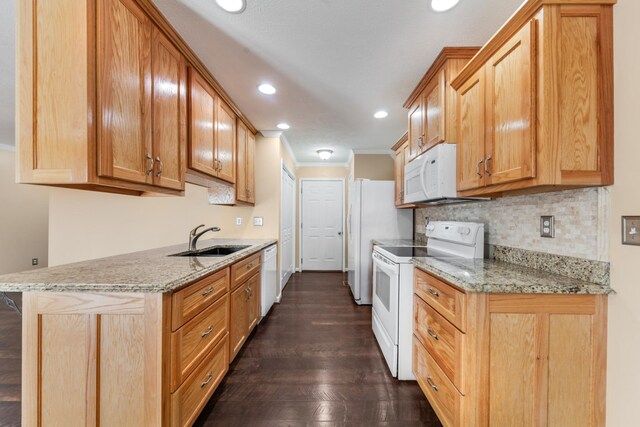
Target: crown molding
<point>7,147</point>
<point>271,133</point>
<point>287,146</point>
<point>350,159</point>
<point>386,151</point>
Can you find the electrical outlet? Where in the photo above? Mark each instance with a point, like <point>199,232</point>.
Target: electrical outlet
<point>238,221</point>
<point>34,261</point>
<point>257,221</point>
<point>631,230</point>
<point>547,227</point>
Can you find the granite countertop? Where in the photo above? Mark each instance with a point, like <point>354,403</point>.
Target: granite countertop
<point>491,276</point>
<point>149,271</point>
<point>397,242</point>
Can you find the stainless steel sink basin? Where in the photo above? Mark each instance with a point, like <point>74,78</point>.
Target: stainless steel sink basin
<point>212,251</point>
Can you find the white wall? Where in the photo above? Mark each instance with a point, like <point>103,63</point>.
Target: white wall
<point>87,225</point>
<point>24,211</point>
<point>623,393</point>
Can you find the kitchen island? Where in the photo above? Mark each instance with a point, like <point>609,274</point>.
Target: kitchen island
<point>135,339</point>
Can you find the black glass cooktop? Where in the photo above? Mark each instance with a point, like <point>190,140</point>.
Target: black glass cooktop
<point>407,251</point>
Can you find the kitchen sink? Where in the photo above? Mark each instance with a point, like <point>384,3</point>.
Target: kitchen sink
<point>212,251</point>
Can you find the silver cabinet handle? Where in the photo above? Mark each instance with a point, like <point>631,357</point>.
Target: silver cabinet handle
<point>207,291</point>
<point>207,332</point>
<point>207,381</point>
<point>150,170</point>
<point>478,168</point>
<point>431,384</point>
<point>433,334</point>
<point>434,292</point>
<point>486,166</point>
<point>161,166</point>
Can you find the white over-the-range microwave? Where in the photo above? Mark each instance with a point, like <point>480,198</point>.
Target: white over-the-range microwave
<point>431,177</point>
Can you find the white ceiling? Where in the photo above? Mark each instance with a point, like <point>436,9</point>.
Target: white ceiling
<point>334,62</point>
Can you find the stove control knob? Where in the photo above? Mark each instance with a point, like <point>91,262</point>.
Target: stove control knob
<point>465,231</point>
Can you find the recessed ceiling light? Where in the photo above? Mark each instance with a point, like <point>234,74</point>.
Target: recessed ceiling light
<point>232,6</point>
<point>283,126</point>
<point>267,89</point>
<point>325,153</point>
<point>380,114</point>
<point>443,5</point>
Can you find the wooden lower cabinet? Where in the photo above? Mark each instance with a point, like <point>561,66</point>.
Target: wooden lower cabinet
<point>132,359</point>
<point>522,360</point>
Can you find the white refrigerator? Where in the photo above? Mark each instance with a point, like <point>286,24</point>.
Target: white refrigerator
<point>372,216</point>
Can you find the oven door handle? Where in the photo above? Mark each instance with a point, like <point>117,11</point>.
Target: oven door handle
<point>387,266</point>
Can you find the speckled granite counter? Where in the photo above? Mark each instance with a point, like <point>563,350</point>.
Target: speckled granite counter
<point>397,242</point>
<point>147,271</point>
<point>483,275</point>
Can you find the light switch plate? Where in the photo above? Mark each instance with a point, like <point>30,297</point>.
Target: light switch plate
<point>257,221</point>
<point>239,221</point>
<point>547,226</point>
<point>631,230</point>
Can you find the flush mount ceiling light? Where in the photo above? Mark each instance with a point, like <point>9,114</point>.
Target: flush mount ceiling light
<point>267,89</point>
<point>232,6</point>
<point>380,114</point>
<point>283,126</point>
<point>443,5</point>
<point>325,153</point>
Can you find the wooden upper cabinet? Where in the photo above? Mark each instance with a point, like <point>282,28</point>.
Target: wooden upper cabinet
<point>511,143</point>
<point>202,109</point>
<point>400,159</point>
<point>169,113</point>
<point>432,104</point>
<point>245,169</point>
<point>548,125</point>
<point>124,82</point>
<point>225,142</point>
<point>471,133</point>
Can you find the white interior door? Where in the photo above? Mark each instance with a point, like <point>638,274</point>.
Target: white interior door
<point>322,203</point>
<point>287,264</point>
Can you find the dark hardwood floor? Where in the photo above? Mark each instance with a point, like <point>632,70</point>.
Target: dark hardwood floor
<point>312,362</point>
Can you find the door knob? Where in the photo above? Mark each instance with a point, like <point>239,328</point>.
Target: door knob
<point>339,233</point>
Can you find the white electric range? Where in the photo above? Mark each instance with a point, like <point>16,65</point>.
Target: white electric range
<point>392,314</point>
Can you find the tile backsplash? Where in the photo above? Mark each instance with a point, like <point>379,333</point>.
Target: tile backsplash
<point>581,218</point>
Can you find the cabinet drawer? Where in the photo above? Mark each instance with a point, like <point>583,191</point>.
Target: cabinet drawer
<point>244,269</point>
<point>190,398</point>
<point>196,338</point>
<point>442,394</point>
<point>187,303</point>
<point>446,299</point>
<point>441,339</point>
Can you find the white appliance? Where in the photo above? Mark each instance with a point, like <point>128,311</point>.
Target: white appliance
<point>372,215</point>
<point>392,313</point>
<point>268,279</point>
<point>431,177</point>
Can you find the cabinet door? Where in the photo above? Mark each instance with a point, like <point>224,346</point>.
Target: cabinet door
<point>434,102</point>
<point>253,310</point>
<point>238,321</point>
<point>416,136</point>
<point>398,167</point>
<point>471,133</point>
<point>169,110</point>
<point>225,142</point>
<point>124,97</point>
<point>251,169</point>
<point>242,192</point>
<point>511,109</point>
<point>202,106</point>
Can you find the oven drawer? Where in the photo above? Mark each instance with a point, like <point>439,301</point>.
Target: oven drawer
<point>441,339</point>
<point>442,394</point>
<point>447,300</point>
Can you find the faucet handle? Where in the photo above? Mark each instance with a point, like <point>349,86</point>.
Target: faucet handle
<point>195,230</point>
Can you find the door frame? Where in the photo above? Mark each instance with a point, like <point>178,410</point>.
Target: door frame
<point>285,170</point>
<point>299,228</point>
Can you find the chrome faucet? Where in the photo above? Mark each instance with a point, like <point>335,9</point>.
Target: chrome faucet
<point>194,235</point>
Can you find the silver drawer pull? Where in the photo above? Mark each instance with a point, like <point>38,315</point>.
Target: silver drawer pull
<point>249,266</point>
<point>150,159</point>
<point>434,292</point>
<point>207,291</point>
<point>433,334</point>
<point>431,384</point>
<point>207,332</point>
<point>207,381</point>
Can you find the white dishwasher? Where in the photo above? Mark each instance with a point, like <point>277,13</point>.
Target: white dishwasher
<point>269,279</point>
